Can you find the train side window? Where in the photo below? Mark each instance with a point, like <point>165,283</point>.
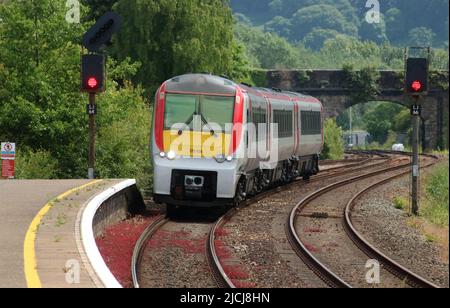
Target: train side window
<point>285,123</point>
<point>311,123</point>
<point>259,117</point>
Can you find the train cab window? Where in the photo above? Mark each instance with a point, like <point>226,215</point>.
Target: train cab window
<point>213,110</point>
<point>218,110</point>
<point>311,122</point>
<point>179,109</point>
<point>285,123</point>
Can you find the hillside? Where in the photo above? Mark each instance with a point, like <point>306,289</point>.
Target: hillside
<point>403,22</point>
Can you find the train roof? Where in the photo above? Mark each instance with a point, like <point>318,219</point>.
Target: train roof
<point>201,83</point>
<point>219,85</point>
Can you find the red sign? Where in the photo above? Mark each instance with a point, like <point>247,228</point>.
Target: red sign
<point>8,169</point>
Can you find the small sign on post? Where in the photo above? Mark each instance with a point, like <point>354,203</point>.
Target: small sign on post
<point>8,155</point>
<point>8,168</point>
<point>8,150</point>
<point>416,110</point>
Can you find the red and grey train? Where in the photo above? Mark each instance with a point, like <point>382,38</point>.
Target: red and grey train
<point>216,142</point>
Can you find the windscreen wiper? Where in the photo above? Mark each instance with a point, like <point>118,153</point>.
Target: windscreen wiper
<point>207,124</point>
<point>186,124</point>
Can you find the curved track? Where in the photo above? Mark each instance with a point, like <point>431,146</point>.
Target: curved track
<point>321,269</point>
<point>139,248</point>
<point>371,159</point>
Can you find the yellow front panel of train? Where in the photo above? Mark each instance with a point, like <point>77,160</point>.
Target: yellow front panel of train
<point>197,144</point>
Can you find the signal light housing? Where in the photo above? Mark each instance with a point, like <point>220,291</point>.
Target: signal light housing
<point>93,73</point>
<point>416,80</point>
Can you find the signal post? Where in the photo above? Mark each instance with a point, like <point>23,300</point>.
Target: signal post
<point>93,76</point>
<point>416,85</point>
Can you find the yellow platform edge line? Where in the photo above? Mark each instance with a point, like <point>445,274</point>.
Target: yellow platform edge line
<point>29,253</point>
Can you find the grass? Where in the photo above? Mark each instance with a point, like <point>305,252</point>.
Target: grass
<point>435,203</point>
<point>401,203</point>
<point>440,152</point>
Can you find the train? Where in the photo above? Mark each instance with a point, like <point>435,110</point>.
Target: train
<point>216,142</point>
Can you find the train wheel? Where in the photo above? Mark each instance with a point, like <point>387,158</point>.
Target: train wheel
<point>240,193</point>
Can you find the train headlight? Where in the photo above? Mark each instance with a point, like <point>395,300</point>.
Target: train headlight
<point>162,154</point>
<point>171,155</point>
<point>220,158</point>
<point>229,159</point>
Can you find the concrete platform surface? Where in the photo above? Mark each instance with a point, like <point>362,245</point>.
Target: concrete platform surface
<point>59,260</point>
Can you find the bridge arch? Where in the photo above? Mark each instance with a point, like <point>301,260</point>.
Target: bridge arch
<point>330,87</point>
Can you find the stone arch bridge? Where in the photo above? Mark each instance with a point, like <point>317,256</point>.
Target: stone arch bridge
<point>331,87</point>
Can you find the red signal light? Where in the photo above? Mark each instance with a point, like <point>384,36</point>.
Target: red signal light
<point>416,86</point>
<point>92,83</point>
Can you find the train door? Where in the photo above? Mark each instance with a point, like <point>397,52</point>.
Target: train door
<point>268,130</point>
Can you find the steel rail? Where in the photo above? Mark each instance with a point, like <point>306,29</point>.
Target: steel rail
<point>140,246</point>
<point>391,265</point>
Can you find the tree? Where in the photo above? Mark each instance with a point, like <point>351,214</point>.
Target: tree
<point>421,36</point>
<point>375,32</point>
<point>43,110</point>
<point>40,99</point>
<point>279,25</point>
<point>379,120</point>
<point>99,7</point>
<point>320,16</point>
<point>334,144</point>
<point>172,37</point>
<point>317,37</point>
<point>267,50</point>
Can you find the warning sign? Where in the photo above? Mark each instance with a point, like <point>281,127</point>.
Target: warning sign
<point>8,168</point>
<point>8,150</point>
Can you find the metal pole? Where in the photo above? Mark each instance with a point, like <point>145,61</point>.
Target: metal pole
<point>351,125</point>
<point>416,161</point>
<point>92,129</point>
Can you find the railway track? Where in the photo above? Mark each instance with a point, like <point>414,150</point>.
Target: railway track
<point>140,245</point>
<point>367,160</point>
<point>320,268</point>
<point>220,276</point>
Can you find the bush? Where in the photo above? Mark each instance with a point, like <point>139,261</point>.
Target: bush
<point>400,203</point>
<point>123,149</point>
<point>36,165</point>
<point>436,203</point>
<point>334,145</point>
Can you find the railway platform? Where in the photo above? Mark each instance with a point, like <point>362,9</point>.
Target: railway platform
<point>40,239</point>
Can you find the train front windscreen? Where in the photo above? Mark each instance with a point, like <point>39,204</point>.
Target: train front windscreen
<point>198,125</point>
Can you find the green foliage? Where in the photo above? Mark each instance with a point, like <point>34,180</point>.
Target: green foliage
<point>35,165</point>
<point>259,77</point>
<point>375,32</point>
<point>401,203</point>
<point>334,146</point>
<point>41,105</point>
<point>317,38</point>
<point>391,139</point>
<point>421,36</point>
<point>363,83</point>
<point>379,120</point>
<point>98,7</point>
<point>43,110</point>
<point>267,50</point>
<point>296,19</point>
<point>173,37</point>
<point>123,139</point>
<point>323,16</point>
<point>437,189</point>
